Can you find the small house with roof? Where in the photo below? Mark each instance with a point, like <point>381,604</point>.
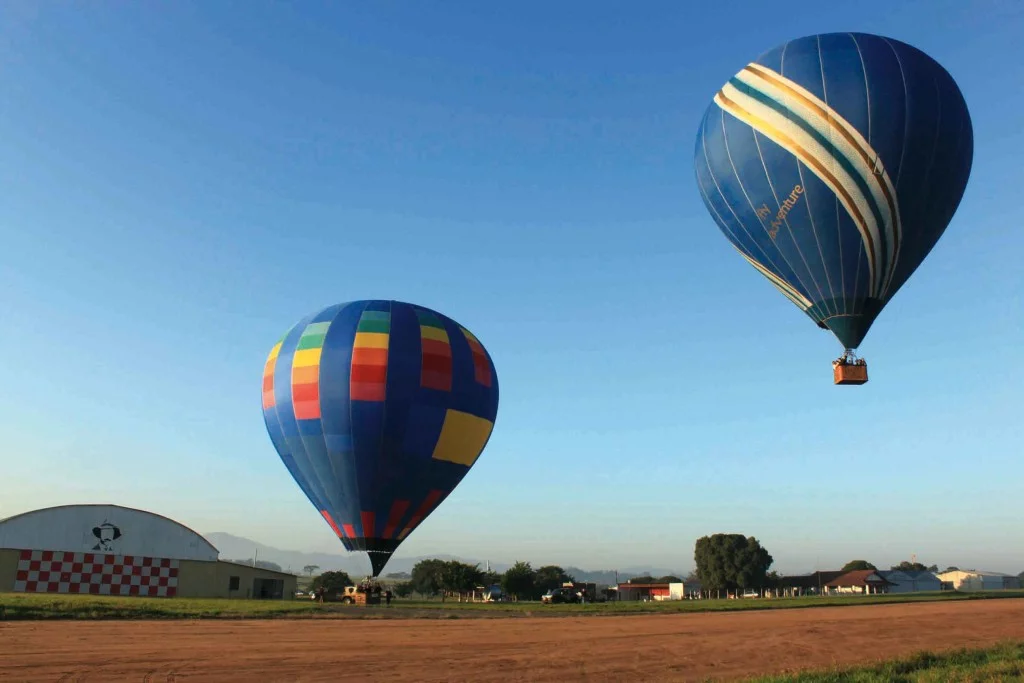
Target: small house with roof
<point>807,584</point>
<point>863,581</point>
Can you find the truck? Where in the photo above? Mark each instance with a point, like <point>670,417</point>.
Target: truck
<point>571,592</point>
<point>352,595</point>
<point>366,593</point>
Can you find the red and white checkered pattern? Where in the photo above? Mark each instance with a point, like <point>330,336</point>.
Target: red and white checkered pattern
<point>55,571</point>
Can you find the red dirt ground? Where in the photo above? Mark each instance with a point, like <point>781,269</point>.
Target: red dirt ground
<point>678,647</point>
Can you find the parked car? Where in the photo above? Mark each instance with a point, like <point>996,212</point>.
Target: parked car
<point>556,595</point>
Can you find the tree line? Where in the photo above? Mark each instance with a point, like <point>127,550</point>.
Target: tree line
<point>724,562</point>
<point>728,562</point>
<point>451,578</point>
<point>904,566</point>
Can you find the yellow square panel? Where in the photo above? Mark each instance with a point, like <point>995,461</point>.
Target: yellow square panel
<point>435,333</point>
<point>371,340</point>
<point>462,438</point>
<point>305,358</point>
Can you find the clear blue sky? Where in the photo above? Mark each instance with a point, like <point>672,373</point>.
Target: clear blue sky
<point>181,182</point>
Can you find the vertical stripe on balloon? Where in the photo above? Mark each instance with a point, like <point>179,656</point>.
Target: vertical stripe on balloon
<point>268,376</point>
<point>788,134</point>
<point>369,524</point>
<point>398,510</point>
<point>848,141</point>
<point>422,511</point>
<point>788,290</point>
<point>831,148</point>
<point>370,357</point>
<point>330,523</point>
<point>306,371</point>
<point>436,353</point>
<point>481,366</point>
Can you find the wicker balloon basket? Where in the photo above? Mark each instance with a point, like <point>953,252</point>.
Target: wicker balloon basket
<point>850,373</point>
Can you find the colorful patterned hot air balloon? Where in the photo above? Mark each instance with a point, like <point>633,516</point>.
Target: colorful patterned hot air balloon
<point>833,164</point>
<point>378,410</point>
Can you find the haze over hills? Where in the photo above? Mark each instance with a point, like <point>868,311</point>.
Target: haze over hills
<point>233,547</point>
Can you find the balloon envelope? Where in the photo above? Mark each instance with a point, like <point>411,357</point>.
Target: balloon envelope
<point>378,410</point>
<point>833,164</point>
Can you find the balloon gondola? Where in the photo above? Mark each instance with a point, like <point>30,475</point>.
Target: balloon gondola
<point>378,409</point>
<point>833,164</point>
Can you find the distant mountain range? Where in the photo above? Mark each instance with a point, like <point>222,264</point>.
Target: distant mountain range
<point>243,549</point>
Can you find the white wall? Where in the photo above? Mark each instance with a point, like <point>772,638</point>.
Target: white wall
<point>104,529</point>
<point>972,581</point>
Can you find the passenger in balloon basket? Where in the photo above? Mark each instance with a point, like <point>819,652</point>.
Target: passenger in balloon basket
<point>849,358</point>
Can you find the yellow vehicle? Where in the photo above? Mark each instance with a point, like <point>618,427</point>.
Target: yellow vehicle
<point>366,593</point>
<point>357,595</point>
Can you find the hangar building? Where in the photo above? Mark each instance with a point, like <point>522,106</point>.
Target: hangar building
<point>974,580</point>
<point>114,550</point>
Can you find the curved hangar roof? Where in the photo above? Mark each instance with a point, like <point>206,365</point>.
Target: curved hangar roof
<point>104,529</point>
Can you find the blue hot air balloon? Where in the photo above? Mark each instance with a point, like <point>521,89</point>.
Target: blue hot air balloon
<point>378,410</point>
<point>833,164</point>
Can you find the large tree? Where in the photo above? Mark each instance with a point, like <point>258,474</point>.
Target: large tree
<point>731,561</point>
<point>549,577</point>
<point>458,577</point>
<point>854,565</point>
<point>331,581</point>
<point>906,566</point>
<point>402,589</point>
<point>518,581</point>
<point>427,577</point>
<point>491,578</point>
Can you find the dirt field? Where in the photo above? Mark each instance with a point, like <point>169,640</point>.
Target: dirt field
<point>615,648</point>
